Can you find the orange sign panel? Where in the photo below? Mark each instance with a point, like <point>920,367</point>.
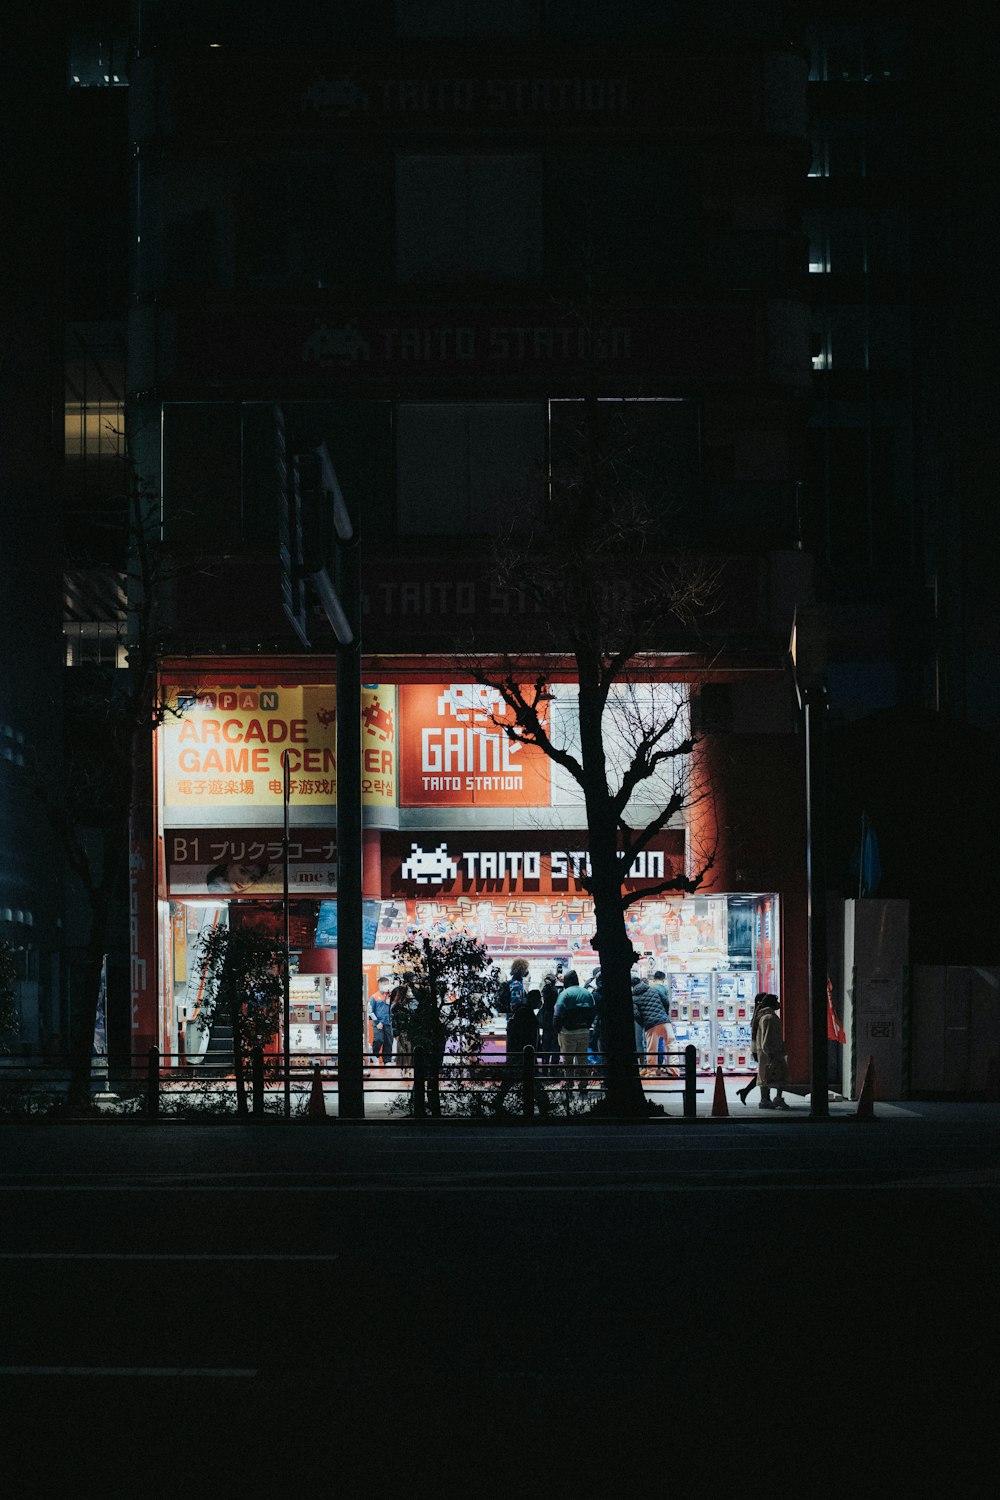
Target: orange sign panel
<point>455,752</point>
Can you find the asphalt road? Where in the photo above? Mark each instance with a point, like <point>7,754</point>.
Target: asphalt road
<point>451,1308</point>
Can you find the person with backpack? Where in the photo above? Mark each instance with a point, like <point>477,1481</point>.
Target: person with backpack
<point>522,1031</point>
<point>380,1016</point>
<point>574,1016</point>
<point>513,993</point>
<point>401,1004</point>
<point>650,1014</point>
<point>548,1056</point>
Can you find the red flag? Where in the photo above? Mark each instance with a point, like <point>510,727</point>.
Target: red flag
<point>834,1030</point>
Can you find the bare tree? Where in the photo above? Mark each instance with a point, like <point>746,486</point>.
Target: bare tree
<point>602,593</point>
<point>244,982</point>
<point>92,809</point>
<point>8,994</point>
<point>451,988</point>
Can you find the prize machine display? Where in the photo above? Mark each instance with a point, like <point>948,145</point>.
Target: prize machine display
<point>712,1012</point>
<point>313,1013</point>
<point>733,1008</point>
<point>691,1015</point>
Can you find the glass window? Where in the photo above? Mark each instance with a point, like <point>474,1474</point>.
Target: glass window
<point>94,429</point>
<point>622,217</point>
<point>96,59</point>
<point>297,221</point>
<point>649,450</point>
<point>94,608</point>
<point>201,472</point>
<point>101,642</point>
<point>887,242</point>
<point>814,225</point>
<point>465,468</point>
<point>855,53</point>
<point>418,18</point>
<point>197,208</point>
<point>847,333</point>
<point>844,54</point>
<point>468,218</point>
<point>889,337</point>
<point>596,18</point>
<point>846,151</point>
<point>193,249</point>
<point>846,243</point>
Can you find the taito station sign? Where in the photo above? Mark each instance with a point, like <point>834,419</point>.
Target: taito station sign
<point>533,863</point>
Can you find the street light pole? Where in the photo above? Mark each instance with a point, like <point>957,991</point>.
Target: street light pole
<point>319,538</point>
<point>350,947</point>
<point>286,792</point>
<point>807,657</point>
<point>814,711</point>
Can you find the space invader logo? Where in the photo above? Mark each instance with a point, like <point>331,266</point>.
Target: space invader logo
<point>429,866</point>
<point>473,701</point>
<point>378,720</point>
<point>329,346</point>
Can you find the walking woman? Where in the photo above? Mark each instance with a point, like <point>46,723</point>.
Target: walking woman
<point>768,1047</point>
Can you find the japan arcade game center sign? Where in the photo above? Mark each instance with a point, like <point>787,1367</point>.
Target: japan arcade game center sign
<point>222,749</point>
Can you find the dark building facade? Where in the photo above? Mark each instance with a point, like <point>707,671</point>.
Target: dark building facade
<point>422,241</point>
<point>424,247</point>
<point>30,546</point>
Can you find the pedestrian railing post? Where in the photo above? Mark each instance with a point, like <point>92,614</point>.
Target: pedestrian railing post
<point>153,1084</point>
<point>257,1079</point>
<point>419,1080</point>
<point>528,1083</point>
<point>690,1083</point>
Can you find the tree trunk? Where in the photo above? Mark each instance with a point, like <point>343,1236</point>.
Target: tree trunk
<point>435,1062</point>
<point>236,1012</point>
<point>78,1097</point>
<point>624,1089</point>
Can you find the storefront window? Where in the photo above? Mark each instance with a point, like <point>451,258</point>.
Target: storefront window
<point>465,832</point>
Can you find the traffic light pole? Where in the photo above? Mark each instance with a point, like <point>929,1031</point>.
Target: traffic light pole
<point>813,713</point>
<point>350,949</point>
<point>317,539</point>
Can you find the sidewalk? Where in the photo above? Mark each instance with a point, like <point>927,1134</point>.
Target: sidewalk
<point>669,1092</point>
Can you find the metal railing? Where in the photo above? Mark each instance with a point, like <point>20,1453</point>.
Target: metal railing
<point>155,1084</point>
<point>532,1080</point>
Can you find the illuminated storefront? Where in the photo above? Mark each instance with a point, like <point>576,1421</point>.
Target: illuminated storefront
<point>465,830</point>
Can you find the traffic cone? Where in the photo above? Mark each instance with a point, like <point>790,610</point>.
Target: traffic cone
<point>720,1106</point>
<point>317,1103</point>
<point>866,1099</point>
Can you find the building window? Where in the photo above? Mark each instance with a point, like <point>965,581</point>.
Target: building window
<point>94,611</point>
<point>854,53</point>
<point>621,218</point>
<point>98,643</point>
<point>463,219</point>
<point>96,59</point>
<point>467,18</point>
<point>94,429</point>
<point>467,467</point>
<point>649,448</point>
